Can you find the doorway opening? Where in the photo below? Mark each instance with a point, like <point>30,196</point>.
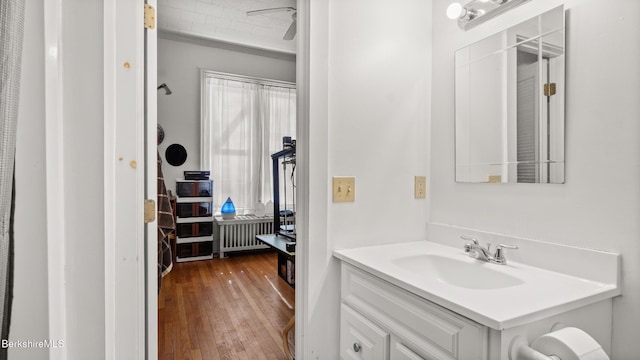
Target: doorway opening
<point>233,304</point>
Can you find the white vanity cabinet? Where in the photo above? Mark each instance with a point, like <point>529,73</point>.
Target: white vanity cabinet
<point>424,300</point>
<point>382,321</point>
<point>401,352</point>
<point>361,338</point>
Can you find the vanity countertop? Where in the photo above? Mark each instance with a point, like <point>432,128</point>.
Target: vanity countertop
<point>497,296</point>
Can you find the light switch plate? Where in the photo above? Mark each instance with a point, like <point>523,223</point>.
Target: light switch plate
<point>344,189</point>
<point>420,187</point>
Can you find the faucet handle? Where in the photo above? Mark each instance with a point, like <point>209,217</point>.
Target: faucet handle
<point>467,246</point>
<point>469,238</point>
<point>498,257</point>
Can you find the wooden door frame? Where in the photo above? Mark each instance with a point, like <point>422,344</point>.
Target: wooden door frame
<point>128,314</point>
<point>124,181</point>
<point>54,156</point>
<point>302,187</point>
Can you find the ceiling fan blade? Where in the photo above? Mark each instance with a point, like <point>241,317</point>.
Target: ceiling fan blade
<point>291,32</point>
<point>270,10</point>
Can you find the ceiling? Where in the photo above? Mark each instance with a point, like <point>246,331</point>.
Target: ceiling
<point>227,21</point>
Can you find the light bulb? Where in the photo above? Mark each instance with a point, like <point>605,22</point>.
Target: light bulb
<point>455,10</point>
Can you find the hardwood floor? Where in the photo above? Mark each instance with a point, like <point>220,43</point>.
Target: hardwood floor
<point>233,308</point>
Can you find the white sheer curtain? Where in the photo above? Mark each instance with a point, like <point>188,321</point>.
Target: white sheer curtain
<point>243,122</point>
<point>11,38</point>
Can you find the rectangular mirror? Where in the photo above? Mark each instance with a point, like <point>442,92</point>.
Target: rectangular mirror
<point>509,102</point>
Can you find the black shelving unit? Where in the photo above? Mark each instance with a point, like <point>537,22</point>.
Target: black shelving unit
<point>194,220</point>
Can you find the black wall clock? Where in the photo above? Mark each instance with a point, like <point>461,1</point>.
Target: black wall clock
<point>176,154</point>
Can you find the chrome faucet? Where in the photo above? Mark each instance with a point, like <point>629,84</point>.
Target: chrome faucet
<point>477,251</point>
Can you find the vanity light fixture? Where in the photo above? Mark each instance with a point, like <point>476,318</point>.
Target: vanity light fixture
<point>478,11</point>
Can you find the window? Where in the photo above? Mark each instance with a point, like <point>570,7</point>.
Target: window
<point>243,123</point>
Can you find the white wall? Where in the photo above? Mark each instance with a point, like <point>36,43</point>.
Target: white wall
<point>82,95</point>
<point>29,318</point>
<point>369,115</point>
<point>179,64</point>
<point>599,205</point>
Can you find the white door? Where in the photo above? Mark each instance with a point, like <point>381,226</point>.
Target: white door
<point>527,123</point>
<point>151,184</point>
<point>543,119</point>
<point>555,106</point>
<point>129,324</point>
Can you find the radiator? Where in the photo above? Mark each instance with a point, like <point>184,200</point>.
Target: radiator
<point>239,234</point>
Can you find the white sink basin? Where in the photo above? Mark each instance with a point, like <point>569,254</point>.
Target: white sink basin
<point>474,275</point>
<point>498,296</point>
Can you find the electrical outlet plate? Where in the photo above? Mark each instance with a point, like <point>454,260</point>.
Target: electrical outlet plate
<point>344,189</point>
<point>420,187</point>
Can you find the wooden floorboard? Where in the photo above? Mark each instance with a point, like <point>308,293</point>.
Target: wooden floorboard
<point>231,309</point>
